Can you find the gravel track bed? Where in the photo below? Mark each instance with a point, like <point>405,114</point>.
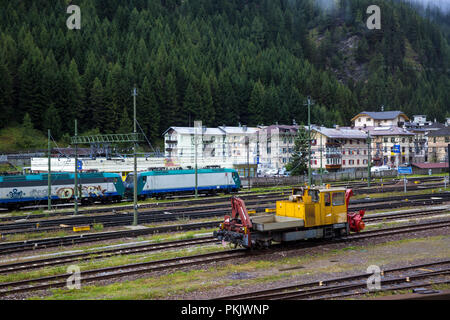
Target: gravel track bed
<point>199,295</point>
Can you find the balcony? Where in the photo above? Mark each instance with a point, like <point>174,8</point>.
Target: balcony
<point>171,141</point>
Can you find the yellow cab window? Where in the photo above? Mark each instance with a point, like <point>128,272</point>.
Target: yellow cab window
<point>338,198</point>
<point>326,199</point>
<point>314,195</point>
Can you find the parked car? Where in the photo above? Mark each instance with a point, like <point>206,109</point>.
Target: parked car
<point>379,169</point>
<point>271,172</point>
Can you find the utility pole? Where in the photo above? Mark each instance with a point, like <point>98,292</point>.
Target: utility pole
<point>76,170</point>
<point>309,138</point>
<point>247,143</point>
<point>49,174</point>
<point>448,160</point>
<point>135,205</point>
<point>321,170</point>
<point>369,158</point>
<point>197,124</point>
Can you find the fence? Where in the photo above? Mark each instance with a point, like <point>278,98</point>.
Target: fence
<point>329,177</point>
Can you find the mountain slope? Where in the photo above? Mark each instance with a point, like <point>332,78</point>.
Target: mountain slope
<point>224,62</point>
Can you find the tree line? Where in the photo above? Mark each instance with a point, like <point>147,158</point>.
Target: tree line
<point>222,61</point>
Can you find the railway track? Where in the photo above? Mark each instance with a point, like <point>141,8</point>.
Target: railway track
<point>19,246</point>
<point>118,271</point>
<point>155,216</point>
<point>345,286</point>
<point>361,188</point>
<point>99,254</point>
<point>34,244</point>
<point>60,280</point>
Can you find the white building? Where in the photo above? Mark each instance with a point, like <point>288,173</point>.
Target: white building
<point>377,119</point>
<point>338,148</point>
<point>276,144</point>
<point>232,147</point>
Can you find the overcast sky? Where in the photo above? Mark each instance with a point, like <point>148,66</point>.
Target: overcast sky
<point>444,4</point>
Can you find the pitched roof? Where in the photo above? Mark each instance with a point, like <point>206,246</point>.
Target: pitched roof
<point>345,133</point>
<point>191,130</point>
<point>445,131</point>
<point>381,115</point>
<point>236,130</point>
<point>424,165</point>
<point>388,131</point>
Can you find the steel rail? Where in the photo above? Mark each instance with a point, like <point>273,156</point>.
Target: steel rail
<point>100,254</point>
<point>130,269</point>
<point>193,212</point>
<point>285,291</point>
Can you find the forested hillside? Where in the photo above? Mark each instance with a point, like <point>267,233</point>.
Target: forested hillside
<point>221,61</point>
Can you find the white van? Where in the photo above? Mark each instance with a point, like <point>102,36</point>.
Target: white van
<point>380,168</point>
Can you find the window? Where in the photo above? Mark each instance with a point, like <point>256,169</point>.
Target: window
<point>385,139</point>
<point>392,139</point>
<point>343,162</point>
<point>338,198</point>
<point>357,161</point>
<point>314,195</point>
<point>447,139</point>
<point>326,199</point>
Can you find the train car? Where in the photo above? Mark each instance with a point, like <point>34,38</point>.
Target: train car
<point>160,184</point>
<point>309,213</point>
<point>22,190</point>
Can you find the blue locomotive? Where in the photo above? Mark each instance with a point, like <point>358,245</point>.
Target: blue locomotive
<point>22,190</point>
<point>160,184</point>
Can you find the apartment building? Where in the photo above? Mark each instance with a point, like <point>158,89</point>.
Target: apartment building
<point>222,146</point>
<point>338,148</point>
<point>276,144</point>
<point>376,119</point>
<point>438,142</point>
<point>391,145</point>
<point>180,143</point>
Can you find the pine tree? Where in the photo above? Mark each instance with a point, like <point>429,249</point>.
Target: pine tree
<point>256,104</point>
<point>148,111</point>
<point>299,161</point>
<point>6,94</point>
<point>126,125</point>
<point>97,105</point>
<point>52,121</point>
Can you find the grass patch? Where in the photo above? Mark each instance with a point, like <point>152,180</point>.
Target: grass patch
<point>257,272</point>
<point>97,227</point>
<point>110,262</point>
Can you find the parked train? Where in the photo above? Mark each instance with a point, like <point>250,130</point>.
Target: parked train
<point>160,184</point>
<point>309,213</point>
<point>24,190</point>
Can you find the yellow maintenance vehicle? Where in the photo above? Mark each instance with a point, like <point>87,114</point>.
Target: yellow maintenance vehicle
<point>310,212</point>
